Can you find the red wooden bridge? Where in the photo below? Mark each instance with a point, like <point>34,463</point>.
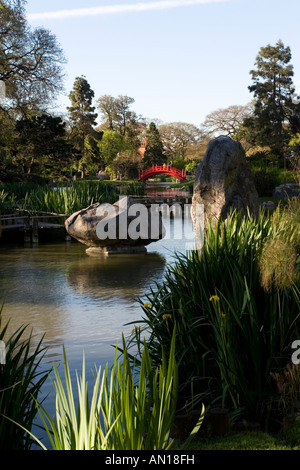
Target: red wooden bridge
<point>162,170</point>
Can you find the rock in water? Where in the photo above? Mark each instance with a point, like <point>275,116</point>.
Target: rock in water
<point>123,227</point>
<point>224,182</point>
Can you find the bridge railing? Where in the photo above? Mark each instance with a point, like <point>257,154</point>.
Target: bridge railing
<point>165,169</point>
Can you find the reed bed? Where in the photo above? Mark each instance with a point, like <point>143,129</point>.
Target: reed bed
<point>60,200</point>
<point>236,312</point>
<point>130,408</point>
<point>63,199</point>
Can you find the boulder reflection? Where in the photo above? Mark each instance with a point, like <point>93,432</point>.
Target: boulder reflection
<point>122,276</point>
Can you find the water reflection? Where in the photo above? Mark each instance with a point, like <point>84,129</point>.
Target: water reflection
<point>117,277</point>
<point>75,299</point>
<point>165,190</point>
<point>81,302</point>
<point>78,301</point>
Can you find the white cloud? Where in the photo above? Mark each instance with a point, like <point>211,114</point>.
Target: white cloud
<point>114,9</point>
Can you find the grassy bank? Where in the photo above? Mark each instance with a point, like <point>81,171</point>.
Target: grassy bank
<point>249,440</point>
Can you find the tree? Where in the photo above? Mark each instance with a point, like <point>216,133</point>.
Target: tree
<point>40,145</point>
<point>82,117</point>
<point>112,143</point>
<point>92,160</point>
<point>7,125</point>
<point>276,113</point>
<point>178,138</point>
<point>117,116</point>
<point>154,154</point>
<point>226,120</point>
<point>125,166</point>
<point>126,118</point>
<point>107,107</point>
<point>31,61</point>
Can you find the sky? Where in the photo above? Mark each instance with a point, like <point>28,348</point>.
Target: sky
<point>178,59</point>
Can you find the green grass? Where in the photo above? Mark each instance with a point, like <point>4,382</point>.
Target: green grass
<point>250,440</point>
<point>244,441</point>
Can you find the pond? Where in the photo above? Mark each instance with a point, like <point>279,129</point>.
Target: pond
<point>80,302</point>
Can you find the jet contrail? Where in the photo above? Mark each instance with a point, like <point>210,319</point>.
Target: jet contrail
<point>114,9</point>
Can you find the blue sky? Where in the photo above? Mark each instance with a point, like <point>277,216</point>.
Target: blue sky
<point>179,59</point>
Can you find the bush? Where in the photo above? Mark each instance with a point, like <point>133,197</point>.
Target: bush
<point>124,166</point>
<point>266,179</point>
<point>192,166</point>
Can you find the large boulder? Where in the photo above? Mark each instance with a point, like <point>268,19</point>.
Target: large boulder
<point>224,182</point>
<point>103,176</point>
<point>115,228</point>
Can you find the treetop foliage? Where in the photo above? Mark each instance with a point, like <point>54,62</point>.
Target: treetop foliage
<point>31,67</point>
<point>276,113</point>
<point>31,61</point>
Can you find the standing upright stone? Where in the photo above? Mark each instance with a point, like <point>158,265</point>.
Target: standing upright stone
<point>224,182</point>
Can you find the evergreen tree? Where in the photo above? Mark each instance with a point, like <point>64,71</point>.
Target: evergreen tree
<point>40,146</point>
<point>276,113</point>
<point>82,118</point>
<point>154,154</point>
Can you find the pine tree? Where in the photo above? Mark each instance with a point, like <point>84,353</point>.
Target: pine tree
<point>276,113</point>
<point>81,112</point>
<point>82,117</point>
<point>154,148</point>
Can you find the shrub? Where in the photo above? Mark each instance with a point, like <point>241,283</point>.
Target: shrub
<point>266,179</point>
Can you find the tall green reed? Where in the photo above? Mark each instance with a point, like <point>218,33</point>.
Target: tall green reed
<point>129,409</point>
<point>61,200</point>
<point>69,199</point>
<point>20,384</point>
<point>231,331</point>
<point>7,203</point>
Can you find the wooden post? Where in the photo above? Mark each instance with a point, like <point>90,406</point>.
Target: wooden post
<point>35,230</point>
<point>219,421</point>
<point>27,238</point>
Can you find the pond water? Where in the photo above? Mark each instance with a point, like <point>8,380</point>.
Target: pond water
<point>80,302</point>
